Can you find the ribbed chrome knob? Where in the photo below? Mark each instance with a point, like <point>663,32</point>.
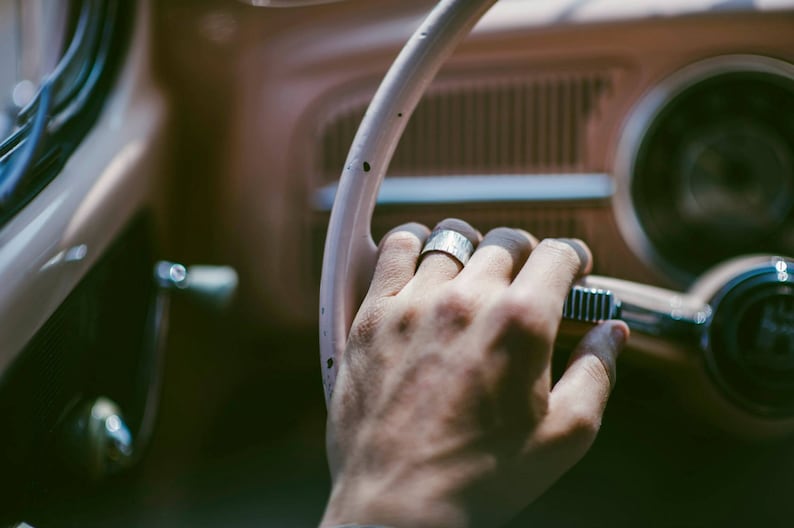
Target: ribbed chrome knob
<point>590,305</point>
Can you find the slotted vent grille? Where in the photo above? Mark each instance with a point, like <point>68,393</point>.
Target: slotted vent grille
<point>523,125</point>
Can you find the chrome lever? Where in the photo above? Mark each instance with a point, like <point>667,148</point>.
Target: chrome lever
<point>95,441</point>
<point>734,327</point>
<point>211,286</point>
<point>664,313</point>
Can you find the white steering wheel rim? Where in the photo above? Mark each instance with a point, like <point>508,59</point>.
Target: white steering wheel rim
<point>350,251</point>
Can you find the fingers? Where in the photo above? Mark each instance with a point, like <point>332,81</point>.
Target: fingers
<point>603,344</point>
<point>555,263</point>
<point>436,267</point>
<point>577,401</point>
<point>548,275</point>
<point>398,254</point>
<point>499,256</point>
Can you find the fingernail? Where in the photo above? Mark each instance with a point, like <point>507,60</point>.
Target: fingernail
<point>581,251</point>
<point>619,332</point>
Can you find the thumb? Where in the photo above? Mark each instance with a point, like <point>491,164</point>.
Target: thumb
<point>580,396</point>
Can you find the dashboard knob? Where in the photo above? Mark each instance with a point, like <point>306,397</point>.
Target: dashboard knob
<point>94,440</point>
<point>211,286</point>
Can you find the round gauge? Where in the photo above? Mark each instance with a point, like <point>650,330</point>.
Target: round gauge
<point>737,176</point>
<point>711,170</point>
<point>750,347</point>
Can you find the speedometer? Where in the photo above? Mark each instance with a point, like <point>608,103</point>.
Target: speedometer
<point>711,170</point>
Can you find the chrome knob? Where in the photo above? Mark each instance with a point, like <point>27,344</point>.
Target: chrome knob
<point>211,286</point>
<point>590,305</point>
<point>95,441</point>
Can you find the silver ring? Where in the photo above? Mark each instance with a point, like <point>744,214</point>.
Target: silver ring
<point>450,242</point>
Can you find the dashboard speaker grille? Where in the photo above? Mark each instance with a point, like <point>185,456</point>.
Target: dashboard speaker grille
<point>522,124</point>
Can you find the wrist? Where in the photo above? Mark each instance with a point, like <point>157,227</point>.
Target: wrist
<point>368,503</point>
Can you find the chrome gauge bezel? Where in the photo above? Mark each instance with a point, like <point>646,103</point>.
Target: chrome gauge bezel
<point>636,129</point>
<point>760,394</point>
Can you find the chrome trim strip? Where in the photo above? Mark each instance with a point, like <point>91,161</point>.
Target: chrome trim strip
<point>428,190</point>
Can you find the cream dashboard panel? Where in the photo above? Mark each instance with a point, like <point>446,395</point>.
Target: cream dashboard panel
<point>116,172</point>
<point>292,82</point>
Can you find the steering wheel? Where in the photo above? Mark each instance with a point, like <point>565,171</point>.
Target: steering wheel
<point>732,331</point>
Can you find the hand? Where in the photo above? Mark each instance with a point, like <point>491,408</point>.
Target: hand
<point>443,412</point>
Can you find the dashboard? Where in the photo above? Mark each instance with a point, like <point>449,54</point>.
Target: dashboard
<point>660,132</point>
<point>657,133</point>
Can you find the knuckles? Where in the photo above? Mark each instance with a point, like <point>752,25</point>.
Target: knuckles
<point>406,322</point>
<point>574,429</point>
<point>400,242</point>
<point>582,428</point>
<point>528,314</point>
<point>366,326</point>
<point>455,310</point>
<point>563,253</point>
